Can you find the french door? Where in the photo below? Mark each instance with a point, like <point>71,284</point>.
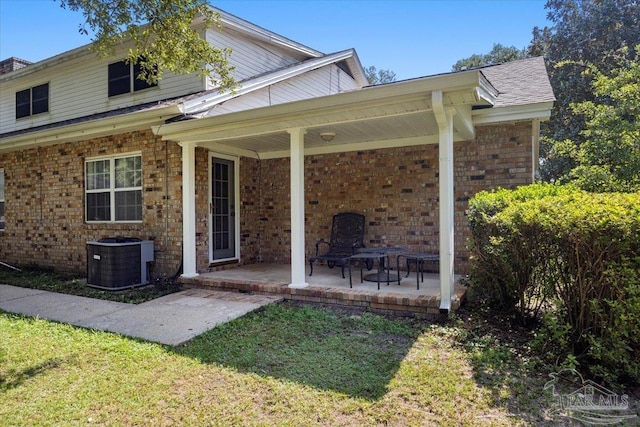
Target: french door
<point>223,219</point>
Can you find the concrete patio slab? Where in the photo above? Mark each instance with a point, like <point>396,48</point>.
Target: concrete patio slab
<point>173,319</point>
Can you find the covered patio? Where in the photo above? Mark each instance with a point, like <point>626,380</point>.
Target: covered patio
<point>327,286</point>
<point>424,116</point>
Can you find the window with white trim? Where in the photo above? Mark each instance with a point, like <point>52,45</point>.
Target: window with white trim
<point>2,221</point>
<point>113,187</point>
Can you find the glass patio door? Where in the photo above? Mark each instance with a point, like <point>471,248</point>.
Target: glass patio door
<point>223,209</point>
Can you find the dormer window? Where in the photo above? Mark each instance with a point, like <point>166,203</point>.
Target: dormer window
<point>123,78</point>
<point>32,101</point>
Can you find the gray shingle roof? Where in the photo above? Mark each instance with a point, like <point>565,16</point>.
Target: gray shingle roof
<point>520,82</point>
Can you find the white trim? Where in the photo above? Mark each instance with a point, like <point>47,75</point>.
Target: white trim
<point>540,111</point>
<point>89,129</point>
<point>189,260</point>
<point>356,146</point>
<point>535,148</point>
<point>200,106</point>
<point>112,189</point>
<point>463,117</point>
<point>236,201</point>
<point>444,117</point>
<point>267,119</point>
<point>297,209</point>
<point>113,156</point>
<point>255,31</point>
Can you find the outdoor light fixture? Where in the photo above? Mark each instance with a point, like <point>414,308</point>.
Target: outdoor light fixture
<point>327,136</point>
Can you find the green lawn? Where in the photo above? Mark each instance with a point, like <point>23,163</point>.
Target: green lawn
<point>284,365</point>
<point>52,281</point>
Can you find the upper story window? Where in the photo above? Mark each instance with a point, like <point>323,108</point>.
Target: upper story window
<point>123,78</point>
<point>32,101</point>
<point>2,221</point>
<point>114,189</point>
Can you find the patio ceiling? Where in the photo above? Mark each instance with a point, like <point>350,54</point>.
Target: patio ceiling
<point>398,114</point>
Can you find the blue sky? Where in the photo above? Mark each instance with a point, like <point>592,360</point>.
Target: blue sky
<point>412,38</point>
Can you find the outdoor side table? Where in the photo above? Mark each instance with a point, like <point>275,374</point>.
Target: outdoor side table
<point>386,264</point>
<point>363,258</point>
<point>419,259</point>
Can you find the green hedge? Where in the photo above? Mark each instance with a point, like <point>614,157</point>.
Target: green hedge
<point>569,258</point>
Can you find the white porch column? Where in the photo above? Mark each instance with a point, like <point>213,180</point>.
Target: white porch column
<point>189,210</point>
<point>444,117</point>
<point>297,208</point>
<point>535,148</point>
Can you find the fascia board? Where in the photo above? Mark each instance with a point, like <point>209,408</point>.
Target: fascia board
<point>357,70</point>
<point>257,32</point>
<point>46,63</point>
<point>539,111</point>
<point>208,101</point>
<point>485,90</point>
<point>89,129</point>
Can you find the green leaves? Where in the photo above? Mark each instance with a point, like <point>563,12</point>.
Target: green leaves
<point>609,158</point>
<point>572,255</point>
<point>168,34</point>
<point>499,54</point>
<point>375,76</point>
<point>584,32</point>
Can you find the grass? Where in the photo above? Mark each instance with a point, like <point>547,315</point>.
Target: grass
<point>53,281</point>
<point>355,355</point>
<point>284,365</point>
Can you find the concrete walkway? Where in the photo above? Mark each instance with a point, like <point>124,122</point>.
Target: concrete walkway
<point>173,319</point>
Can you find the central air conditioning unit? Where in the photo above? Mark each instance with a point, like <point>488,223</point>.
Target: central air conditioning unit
<point>118,263</point>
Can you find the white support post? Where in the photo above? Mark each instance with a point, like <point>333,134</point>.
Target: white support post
<point>535,148</point>
<point>189,210</point>
<point>297,208</point>
<point>444,117</point>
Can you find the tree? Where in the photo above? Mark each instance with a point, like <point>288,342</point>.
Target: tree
<point>609,157</point>
<point>584,31</point>
<point>499,54</point>
<point>375,77</point>
<point>162,35</point>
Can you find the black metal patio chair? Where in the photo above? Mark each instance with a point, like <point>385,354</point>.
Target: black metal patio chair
<point>347,236</point>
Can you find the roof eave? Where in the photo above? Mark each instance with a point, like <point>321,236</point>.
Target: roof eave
<point>371,95</point>
<point>250,29</point>
<point>540,111</point>
<point>89,129</point>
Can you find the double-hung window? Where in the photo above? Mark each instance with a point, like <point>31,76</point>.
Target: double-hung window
<point>113,188</point>
<point>32,101</point>
<point>2,221</point>
<point>123,78</point>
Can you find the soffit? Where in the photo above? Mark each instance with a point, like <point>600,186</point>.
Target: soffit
<point>395,114</point>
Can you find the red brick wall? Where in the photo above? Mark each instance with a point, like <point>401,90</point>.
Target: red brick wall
<point>397,190</point>
<point>44,198</point>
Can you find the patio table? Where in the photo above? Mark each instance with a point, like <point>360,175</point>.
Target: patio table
<point>385,251</point>
<point>419,259</point>
<point>365,257</point>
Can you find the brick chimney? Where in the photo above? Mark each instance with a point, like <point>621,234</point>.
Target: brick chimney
<point>12,64</point>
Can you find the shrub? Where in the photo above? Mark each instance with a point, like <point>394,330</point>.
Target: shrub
<point>508,251</point>
<point>572,255</point>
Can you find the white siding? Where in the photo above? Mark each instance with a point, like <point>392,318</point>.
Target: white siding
<point>252,57</point>
<point>78,84</point>
<point>324,81</point>
<point>78,88</point>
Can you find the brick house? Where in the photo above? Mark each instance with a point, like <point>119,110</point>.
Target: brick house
<point>216,178</point>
